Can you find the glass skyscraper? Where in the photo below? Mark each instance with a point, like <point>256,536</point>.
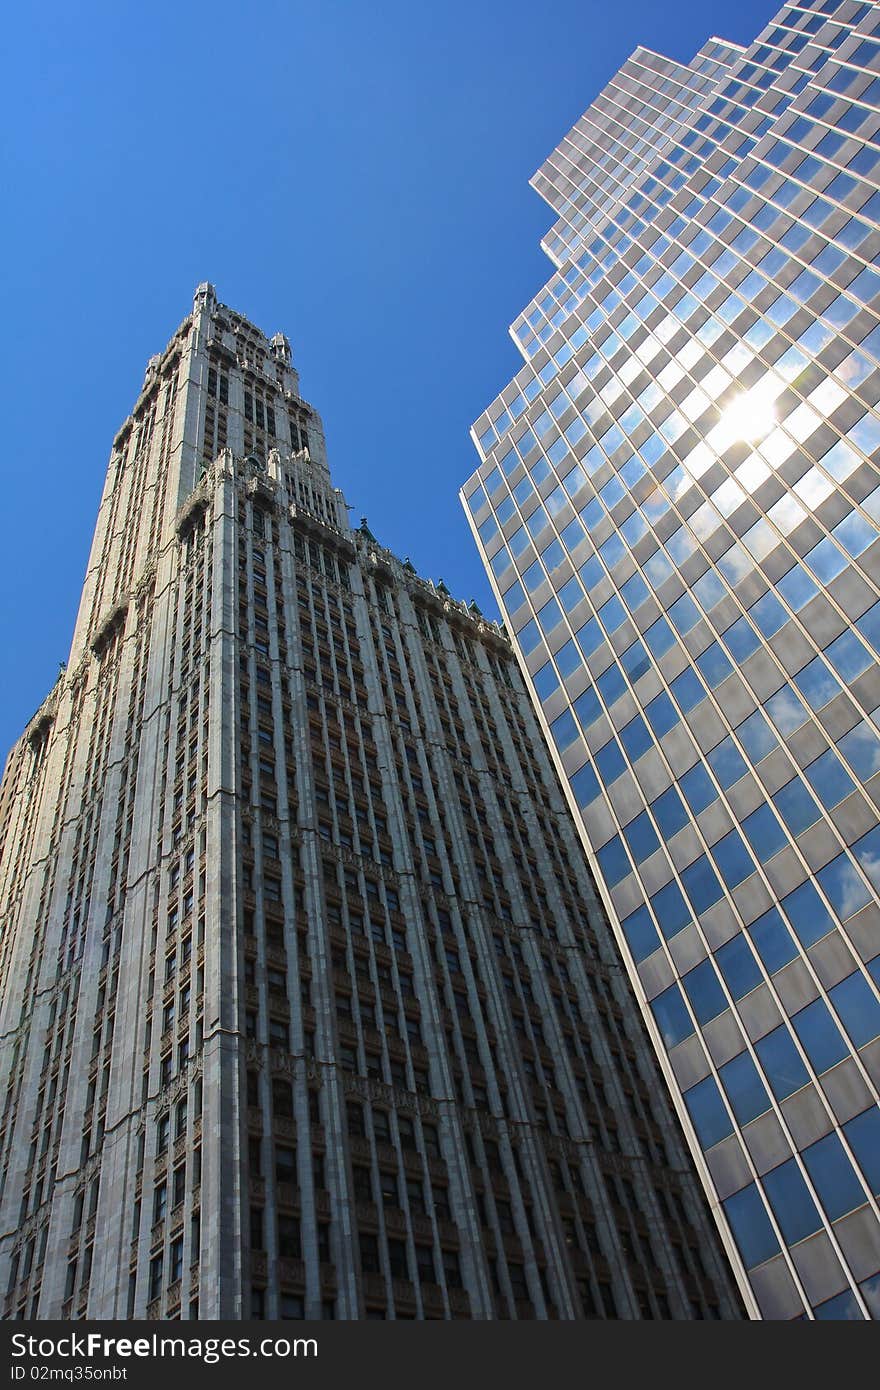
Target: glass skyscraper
<point>678,504</point>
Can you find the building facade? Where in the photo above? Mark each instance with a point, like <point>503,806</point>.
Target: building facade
<point>309,1007</point>
<point>678,509</point>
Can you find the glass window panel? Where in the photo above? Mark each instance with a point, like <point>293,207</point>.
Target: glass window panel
<point>587,707</point>
<point>817,684</point>
<point>641,933</point>
<point>727,762</point>
<point>661,714</point>
<point>807,913</point>
<point>738,966</point>
<point>611,684</point>
<point>659,637</point>
<point>708,1112</point>
<point>564,731</point>
<point>791,1202</point>
<point>669,813</point>
<point>635,661</point>
<point>756,736</point>
<point>733,859</point>
<point>641,837</point>
<point>745,1089</point>
<point>546,681</point>
<point>819,1035</point>
<point>671,1016</point>
<point>670,909</point>
<point>867,853</point>
<point>613,861</point>
<point>863,1137</point>
<point>858,1008</point>
<point>701,884</point>
<point>829,779</point>
<point>610,762</point>
<point>764,833</point>
<point>741,639</point>
<point>688,690</point>
<point>833,1176</point>
<point>568,660</point>
<point>861,748</point>
<point>636,738</point>
<point>844,887</point>
<point>751,1226</point>
<point>786,710</point>
<point>849,656</point>
<point>714,665</point>
<point>704,990</point>
<point>796,806</point>
<point>698,788</point>
<point>772,940</point>
<point>585,785</point>
<point>782,1063</point>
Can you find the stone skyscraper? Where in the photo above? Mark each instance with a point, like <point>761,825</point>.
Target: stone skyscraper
<point>308,1004</point>
<point>678,508</point>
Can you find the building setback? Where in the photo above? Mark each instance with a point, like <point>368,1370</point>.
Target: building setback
<point>678,508</point>
<point>309,1006</point>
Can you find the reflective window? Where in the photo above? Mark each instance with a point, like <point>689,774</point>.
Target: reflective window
<point>636,738</point>
<point>613,861</point>
<point>670,909</point>
<point>708,1112</point>
<point>772,940</point>
<point>661,714</point>
<point>733,859</point>
<point>792,1204</point>
<point>704,991</point>
<point>782,1063</point>
<point>756,736</point>
<point>635,661</point>
<point>751,1226</point>
<point>610,762</point>
<point>744,1087</point>
<point>641,837</point>
<point>796,806</point>
<point>698,788</point>
<point>741,639</point>
<point>738,966</point>
<point>764,833</point>
<point>844,887</point>
<point>688,690</point>
<point>564,731</point>
<point>829,779</point>
<point>727,762</point>
<point>808,914</point>
<point>587,707</point>
<point>786,710</point>
<point>585,785</point>
<point>833,1176</point>
<point>861,748</point>
<point>857,1007</point>
<point>641,934</point>
<point>714,665</point>
<point>546,681</point>
<point>817,684</point>
<point>701,884</point>
<point>863,1137</point>
<point>669,813</point>
<point>671,1016</point>
<point>611,684</point>
<point>819,1035</point>
<point>867,853</point>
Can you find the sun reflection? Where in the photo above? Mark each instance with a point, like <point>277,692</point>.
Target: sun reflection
<point>749,417</point>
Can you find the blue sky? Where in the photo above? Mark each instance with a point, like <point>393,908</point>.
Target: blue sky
<point>354,175</point>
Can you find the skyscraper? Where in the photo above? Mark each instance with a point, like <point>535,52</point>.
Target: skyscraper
<point>678,508</point>
<point>309,1007</point>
